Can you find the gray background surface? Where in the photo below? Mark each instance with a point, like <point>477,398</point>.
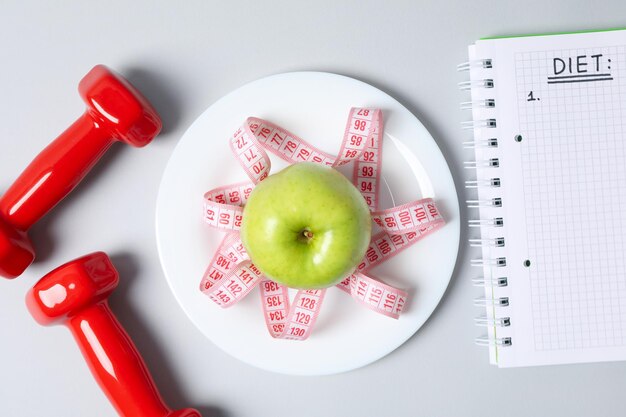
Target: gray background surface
<point>184,56</point>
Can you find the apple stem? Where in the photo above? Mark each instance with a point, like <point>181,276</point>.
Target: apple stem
<point>306,235</point>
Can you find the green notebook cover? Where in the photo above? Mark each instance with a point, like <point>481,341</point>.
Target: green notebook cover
<point>552,33</point>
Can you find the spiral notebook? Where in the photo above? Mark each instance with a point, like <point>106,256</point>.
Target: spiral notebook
<point>548,185</point>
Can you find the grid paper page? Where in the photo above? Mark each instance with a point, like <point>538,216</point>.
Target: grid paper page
<point>574,174</point>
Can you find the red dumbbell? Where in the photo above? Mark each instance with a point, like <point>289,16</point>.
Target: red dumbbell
<point>116,111</point>
<point>76,294</point>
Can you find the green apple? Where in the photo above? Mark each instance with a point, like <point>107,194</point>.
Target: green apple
<point>306,226</point>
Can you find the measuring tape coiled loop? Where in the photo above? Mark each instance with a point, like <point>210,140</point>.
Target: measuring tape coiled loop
<point>285,320</point>
<point>223,206</point>
<point>231,275</point>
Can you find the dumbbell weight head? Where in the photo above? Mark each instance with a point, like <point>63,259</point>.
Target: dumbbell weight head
<point>119,107</point>
<point>67,290</point>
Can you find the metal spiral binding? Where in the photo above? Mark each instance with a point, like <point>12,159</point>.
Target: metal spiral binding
<point>496,243</point>
<point>494,182</point>
<point>489,163</point>
<point>485,321</point>
<point>488,302</point>
<point>495,222</point>
<point>469,105</point>
<point>498,341</point>
<point>483,122</point>
<point>493,282</point>
<point>494,202</point>
<point>485,143</point>
<point>468,85</point>
<point>488,262</point>
<point>478,63</point>
<point>474,124</point>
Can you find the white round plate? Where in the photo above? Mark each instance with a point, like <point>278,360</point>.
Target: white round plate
<point>314,106</point>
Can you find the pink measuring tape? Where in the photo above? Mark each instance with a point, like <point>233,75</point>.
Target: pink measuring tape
<point>231,275</point>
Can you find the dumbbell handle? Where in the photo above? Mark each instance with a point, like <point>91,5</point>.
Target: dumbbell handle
<point>55,172</point>
<point>117,365</point>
